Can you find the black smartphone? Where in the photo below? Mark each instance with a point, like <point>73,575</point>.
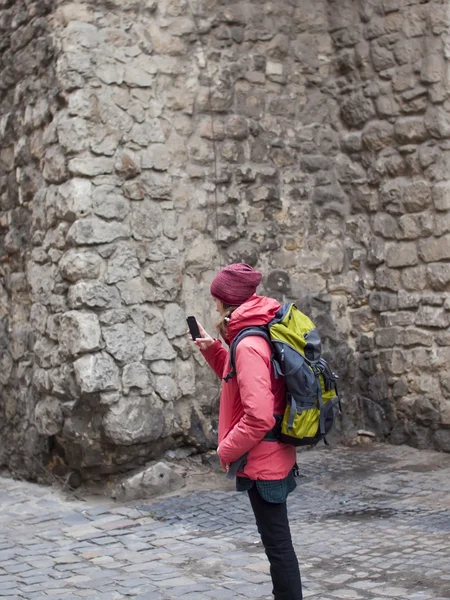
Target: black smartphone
<point>193,327</point>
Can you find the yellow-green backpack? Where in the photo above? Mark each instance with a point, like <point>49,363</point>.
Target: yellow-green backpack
<point>312,400</point>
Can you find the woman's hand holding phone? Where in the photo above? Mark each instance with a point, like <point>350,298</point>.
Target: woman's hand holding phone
<point>205,340</point>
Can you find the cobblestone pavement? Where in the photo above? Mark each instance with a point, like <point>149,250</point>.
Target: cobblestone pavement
<point>368,523</point>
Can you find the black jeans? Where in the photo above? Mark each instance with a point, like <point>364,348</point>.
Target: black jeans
<point>273,526</point>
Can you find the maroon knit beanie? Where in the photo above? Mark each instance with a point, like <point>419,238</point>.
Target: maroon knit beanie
<point>235,284</point>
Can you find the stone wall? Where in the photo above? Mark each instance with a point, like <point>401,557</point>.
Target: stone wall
<point>170,137</point>
<point>28,101</point>
<point>393,91</point>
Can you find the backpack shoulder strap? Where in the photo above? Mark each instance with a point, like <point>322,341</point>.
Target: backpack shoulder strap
<point>255,331</point>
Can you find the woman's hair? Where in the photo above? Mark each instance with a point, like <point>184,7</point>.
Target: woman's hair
<point>222,321</point>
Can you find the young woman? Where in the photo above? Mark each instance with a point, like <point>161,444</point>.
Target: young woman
<point>248,403</point>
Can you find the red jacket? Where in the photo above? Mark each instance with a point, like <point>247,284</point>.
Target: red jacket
<point>249,400</point>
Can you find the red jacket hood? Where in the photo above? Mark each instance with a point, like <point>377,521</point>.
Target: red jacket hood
<point>256,311</point>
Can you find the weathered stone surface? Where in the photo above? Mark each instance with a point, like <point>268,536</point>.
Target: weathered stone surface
<point>401,255</point>
<point>158,347</point>
<point>95,231</point>
<point>146,220</point>
<point>161,477</point>
<point>90,166</point>
<point>414,278</point>
<point>125,341</point>
<point>122,264</point>
<point>441,195</point>
<point>410,130</point>
<point>73,134</point>
<point>165,279</point>
<point>416,196</point>
<point>438,275</point>
<point>356,110</point>
<point>48,416</point>
<point>185,378</point>
<point>435,249</point>
<point>74,200</point>
<point>430,316</point>
<point>55,168</point>
<point>79,332</point>
<point>166,388</point>
<point>136,375</point>
<point>96,373</point>
<point>79,264</point>
<point>148,318</point>
<point>437,122</point>
<point>377,135</point>
<point>93,295</point>
<point>134,419</point>
<point>174,321</point>
<point>109,204</point>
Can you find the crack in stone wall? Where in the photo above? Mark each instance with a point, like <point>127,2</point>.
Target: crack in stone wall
<point>157,140</point>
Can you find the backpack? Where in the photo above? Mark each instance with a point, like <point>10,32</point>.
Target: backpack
<point>312,401</point>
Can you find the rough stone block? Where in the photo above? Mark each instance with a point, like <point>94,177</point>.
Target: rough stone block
<point>157,157</point>
<point>96,373</point>
<point>95,231</point>
<point>414,278</point>
<point>91,166</point>
<point>135,291</point>
<point>48,416</point>
<point>437,122</point>
<point>165,280</point>
<point>416,196</point>
<point>122,264</point>
<point>148,318</point>
<point>387,337</point>
<point>136,375</point>
<point>158,347</point>
<point>433,64</point>
<point>236,127</point>
<point>174,321</point>
<point>387,278</point>
<point>377,135</point>
<point>146,220</point>
<point>441,224</point>
<point>381,301</point>
<point>125,341</point>
<point>73,134</point>
<point>441,195</point>
<point>185,377</point>
<point>74,199</point>
<point>159,478</point>
<point>400,318</point>
<point>79,332</point>
<point>166,388</point>
<point>382,58</point>
<point>409,227</point>
<point>80,264</point>
<point>435,249</point>
<point>109,203</point>
<point>385,225</point>
<point>55,168</point>
<point>110,72</point>
<point>134,419</point>
<point>93,295</point>
<point>438,275</point>
<point>402,255</point>
<point>431,316</point>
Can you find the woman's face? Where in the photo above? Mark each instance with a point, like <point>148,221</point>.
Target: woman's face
<point>219,306</point>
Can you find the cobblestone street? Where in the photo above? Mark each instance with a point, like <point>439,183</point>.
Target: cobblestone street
<point>368,523</point>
